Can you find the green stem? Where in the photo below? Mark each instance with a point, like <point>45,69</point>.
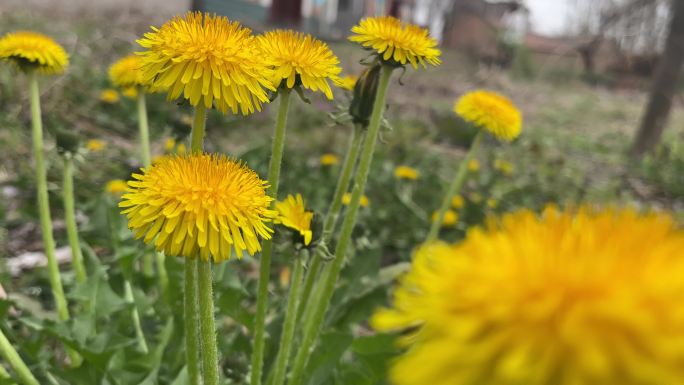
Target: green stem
<point>191,308</point>
<point>145,158</point>
<point>5,376</point>
<point>12,357</point>
<point>331,215</point>
<point>70,218</point>
<point>128,297</point>
<point>191,305</point>
<point>163,276</point>
<point>44,208</point>
<point>265,265</point>
<point>454,188</point>
<point>210,373</point>
<point>289,324</point>
<point>328,280</point>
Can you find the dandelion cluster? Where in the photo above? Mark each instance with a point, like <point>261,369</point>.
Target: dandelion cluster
<point>199,205</point>
<point>296,57</point>
<point>31,50</point>
<point>579,296</point>
<point>491,112</point>
<point>396,42</point>
<point>209,60</point>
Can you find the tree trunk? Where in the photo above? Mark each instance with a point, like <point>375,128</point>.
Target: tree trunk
<point>664,85</point>
<point>286,13</point>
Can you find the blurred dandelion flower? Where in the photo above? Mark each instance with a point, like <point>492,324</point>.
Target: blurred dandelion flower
<point>580,296</point>
<point>396,42</point>
<point>505,167</point>
<point>169,144</point>
<point>181,149</point>
<point>457,201</point>
<point>296,58</point>
<point>364,202</point>
<point>96,145</point>
<point>491,112</point>
<point>450,218</point>
<point>109,96</point>
<point>406,172</point>
<point>348,82</point>
<point>116,186</point>
<point>473,165</point>
<point>208,59</point>
<point>284,277</point>
<point>492,203</point>
<point>130,92</point>
<point>199,205</point>
<point>292,213</point>
<point>475,197</point>
<point>329,159</point>
<point>126,72</point>
<point>31,50</point>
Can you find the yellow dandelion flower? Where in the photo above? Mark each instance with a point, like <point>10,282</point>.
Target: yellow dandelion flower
<point>297,57</point>
<point>492,203</point>
<point>199,205</point>
<point>292,213</point>
<point>96,145</point>
<point>348,82</point>
<point>457,201</point>
<point>473,165</point>
<point>491,112</point>
<point>31,50</point>
<point>284,277</point>
<point>208,59</point>
<point>126,72</point>
<point>406,172</point>
<point>109,96</point>
<point>116,186</point>
<point>181,149</point>
<point>329,159</point>
<point>169,144</point>
<point>475,197</point>
<point>450,218</point>
<point>130,92</point>
<point>575,297</point>
<point>397,42</point>
<point>506,168</point>
<point>364,202</point>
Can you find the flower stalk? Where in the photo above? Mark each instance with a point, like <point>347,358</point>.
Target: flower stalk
<point>12,357</point>
<point>313,319</point>
<point>265,265</point>
<point>454,188</point>
<point>70,219</point>
<point>145,158</point>
<point>135,315</point>
<point>332,214</point>
<point>210,373</point>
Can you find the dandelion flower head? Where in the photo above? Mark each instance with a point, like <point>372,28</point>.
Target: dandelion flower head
<point>329,159</point>
<point>116,186</point>
<point>406,172</point>
<point>297,56</point>
<point>206,59</point>
<point>581,296</point>
<point>491,112</point>
<point>348,82</point>
<point>397,42</point>
<point>126,72</point>
<point>292,213</point>
<point>364,202</point>
<point>32,50</point>
<point>109,96</point>
<point>450,218</point>
<point>96,145</point>
<point>199,205</point>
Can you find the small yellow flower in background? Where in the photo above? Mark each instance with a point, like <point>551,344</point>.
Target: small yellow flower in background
<point>109,96</point>
<point>297,56</point>
<point>329,159</point>
<point>565,297</point>
<point>364,202</point>
<point>96,145</point>
<point>28,50</point>
<point>406,172</point>
<point>169,144</point>
<point>181,149</point>
<point>157,159</point>
<point>457,201</point>
<point>284,277</point>
<point>397,42</point>
<point>473,165</point>
<point>209,60</point>
<point>348,82</point>
<point>491,112</point>
<point>199,205</point>
<point>475,197</point>
<point>506,168</point>
<point>492,203</point>
<point>292,213</point>
<point>116,186</point>
<point>126,73</point>
<point>450,218</point>
<point>130,92</point>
